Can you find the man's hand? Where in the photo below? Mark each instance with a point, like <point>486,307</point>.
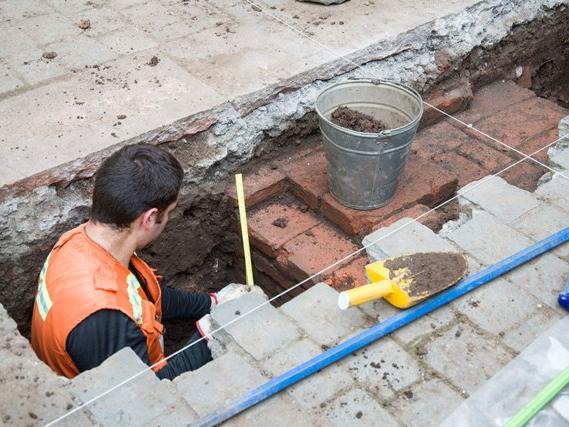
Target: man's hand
<point>233,291</point>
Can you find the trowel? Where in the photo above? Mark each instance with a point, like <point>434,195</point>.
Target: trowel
<point>407,280</point>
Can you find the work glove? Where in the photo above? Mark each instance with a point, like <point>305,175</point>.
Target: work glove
<point>214,343</point>
<point>233,291</point>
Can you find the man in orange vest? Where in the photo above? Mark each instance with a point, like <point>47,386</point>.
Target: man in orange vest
<point>95,295</point>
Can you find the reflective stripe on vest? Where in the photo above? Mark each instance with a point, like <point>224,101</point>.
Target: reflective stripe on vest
<point>134,297</point>
<point>43,299</point>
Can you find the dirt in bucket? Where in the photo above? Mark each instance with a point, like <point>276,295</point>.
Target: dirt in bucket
<point>354,120</point>
<point>431,272</point>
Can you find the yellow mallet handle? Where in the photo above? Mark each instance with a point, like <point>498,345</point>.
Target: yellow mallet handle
<point>244,230</point>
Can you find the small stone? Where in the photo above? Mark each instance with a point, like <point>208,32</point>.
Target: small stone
<point>408,394</point>
<point>49,55</point>
<point>84,24</point>
<point>340,22</point>
<point>153,61</point>
<point>121,116</point>
<point>359,414</point>
<point>458,333</point>
<point>256,8</point>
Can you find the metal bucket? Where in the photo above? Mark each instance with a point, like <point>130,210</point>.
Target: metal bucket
<point>364,168</point>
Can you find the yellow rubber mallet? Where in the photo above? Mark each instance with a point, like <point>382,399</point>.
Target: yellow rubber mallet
<point>244,230</point>
<point>407,280</point>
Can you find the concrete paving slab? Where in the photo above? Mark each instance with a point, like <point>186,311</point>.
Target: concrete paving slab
<point>561,160</point>
<point>413,237</point>
<point>316,311</point>
<point>174,416</point>
<point>544,221</point>
<point>478,238</point>
<point>383,368</point>
<point>312,391</point>
<point>278,411</point>
<point>465,357</point>
<point>272,330</point>
<point>356,408</point>
<point>555,192</point>
<point>429,403</point>
<point>496,196</point>
<point>544,278</point>
<point>158,95</point>
<point>518,382</point>
<point>133,404</point>
<point>426,325</point>
<point>519,337</point>
<point>498,306</point>
<point>246,53</point>
<point>217,383</point>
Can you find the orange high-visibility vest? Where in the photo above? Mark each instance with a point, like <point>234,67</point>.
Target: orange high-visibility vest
<point>78,278</point>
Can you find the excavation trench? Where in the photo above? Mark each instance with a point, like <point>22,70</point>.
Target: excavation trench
<point>201,248</point>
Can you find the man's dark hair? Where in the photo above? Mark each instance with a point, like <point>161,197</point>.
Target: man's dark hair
<point>131,181</point>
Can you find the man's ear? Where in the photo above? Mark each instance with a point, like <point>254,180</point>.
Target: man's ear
<point>149,218</point>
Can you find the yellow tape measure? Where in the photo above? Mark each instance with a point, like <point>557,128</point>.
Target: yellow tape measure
<point>244,230</point>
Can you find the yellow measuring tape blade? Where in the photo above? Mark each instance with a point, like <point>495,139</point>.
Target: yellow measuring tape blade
<point>244,230</point>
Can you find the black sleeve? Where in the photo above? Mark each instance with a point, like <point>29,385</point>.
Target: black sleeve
<point>179,304</point>
<point>101,335</point>
<point>105,332</point>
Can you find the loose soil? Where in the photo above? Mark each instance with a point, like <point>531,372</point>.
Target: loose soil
<point>431,272</point>
<point>354,120</point>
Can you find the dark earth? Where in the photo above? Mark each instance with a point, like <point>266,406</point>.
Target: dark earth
<point>354,120</point>
<point>432,272</point>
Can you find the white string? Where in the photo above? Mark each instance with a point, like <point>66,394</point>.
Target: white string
<point>347,257</point>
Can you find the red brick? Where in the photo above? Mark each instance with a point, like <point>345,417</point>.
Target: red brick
<point>349,276</point>
<point>451,102</point>
<point>524,175</point>
<point>259,186</point>
<point>466,170</point>
<point>308,177</point>
<point>487,157</point>
<point>433,220</point>
<point>438,139</point>
<point>422,182</point>
<point>270,268</point>
<point>531,145</point>
<point>269,238</point>
<point>310,253</point>
<point>519,122</point>
<point>492,98</point>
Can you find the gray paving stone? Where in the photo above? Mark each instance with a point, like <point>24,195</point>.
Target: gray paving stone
<point>49,28</point>
<point>30,65</point>
<point>278,411</point>
<point>103,20</point>
<point>127,40</point>
<point>544,278</point>
<point>430,403</point>
<point>550,352</point>
<point>136,402</point>
<point>316,311</point>
<point>561,404</point>
<point>17,10</point>
<point>481,238</point>
<point>9,81</point>
<point>466,358</point>
<point>423,326</point>
<point>178,414</point>
<point>498,197</point>
<point>466,416</point>
<point>383,368</point>
<point>544,221</point>
<point>564,127</point>
<point>497,306</point>
<point>519,337</point>
<point>80,51</point>
<point>555,191</point>
<point>413,237</point>
<point>217,383</point>
<point>561,159</point>
<point>316,389</point>
<point>356,408</point>
<point>261,332</point>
